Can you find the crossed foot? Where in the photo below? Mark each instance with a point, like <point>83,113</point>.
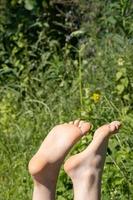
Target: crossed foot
<point>85,168</point>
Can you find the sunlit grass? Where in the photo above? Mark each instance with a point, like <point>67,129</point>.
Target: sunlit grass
<point>45,80</point>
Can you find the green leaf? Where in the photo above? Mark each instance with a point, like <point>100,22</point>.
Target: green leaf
<point>120,88</point>
<point>123,70</point>
<point>125,82</point>
<point>30,4</point>
<point>125,109</point>
<point>118,75</point>
<point>77,33</point>
<point>126,97</point>
<point>112,20</point>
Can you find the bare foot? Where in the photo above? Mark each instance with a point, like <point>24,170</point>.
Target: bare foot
<point>45,164</point>
<point>85,169</point>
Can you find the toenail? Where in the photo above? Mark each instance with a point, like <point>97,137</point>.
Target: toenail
<point>81,132</point>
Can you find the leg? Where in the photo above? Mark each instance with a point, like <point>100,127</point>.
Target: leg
<point>45,164</point>
<point>85,169</point>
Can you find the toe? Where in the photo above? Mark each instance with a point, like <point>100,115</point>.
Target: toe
<point>71,122</point>
<point>76,122</point>
<point>114,126</point>
<point>80,123</point>
<point>84,127</point>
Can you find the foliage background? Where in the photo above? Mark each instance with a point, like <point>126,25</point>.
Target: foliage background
<point>62,60</point>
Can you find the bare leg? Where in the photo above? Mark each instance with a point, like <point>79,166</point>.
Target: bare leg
<point>85,169</point>
<point>45,164</point>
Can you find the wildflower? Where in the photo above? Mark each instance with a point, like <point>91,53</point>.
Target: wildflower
<point>95,97</point>
<point>120,62</point>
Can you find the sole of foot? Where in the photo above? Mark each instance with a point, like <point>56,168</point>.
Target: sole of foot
<point>91,160</point>
<point>48,159</point>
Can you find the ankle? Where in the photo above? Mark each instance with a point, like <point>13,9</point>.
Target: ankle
<point>88,186</point>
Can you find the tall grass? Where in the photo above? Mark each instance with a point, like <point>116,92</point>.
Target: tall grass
<point>46,80</point>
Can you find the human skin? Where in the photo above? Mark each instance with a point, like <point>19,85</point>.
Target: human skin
<point>45,164</point>
<point>86,168</point>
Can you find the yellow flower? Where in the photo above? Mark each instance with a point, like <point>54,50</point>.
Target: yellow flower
<point>95,97</point>
<point>120,62</point>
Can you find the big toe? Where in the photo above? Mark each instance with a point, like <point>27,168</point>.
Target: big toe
<point>84,127</point>
<point>108,129</point>
<point>114,126</point>
<point>76,122</point>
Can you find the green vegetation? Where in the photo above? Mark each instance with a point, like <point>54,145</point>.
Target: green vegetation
<point>62,60</point>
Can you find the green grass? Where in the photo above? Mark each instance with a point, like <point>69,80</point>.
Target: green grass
<point>25,123</point>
